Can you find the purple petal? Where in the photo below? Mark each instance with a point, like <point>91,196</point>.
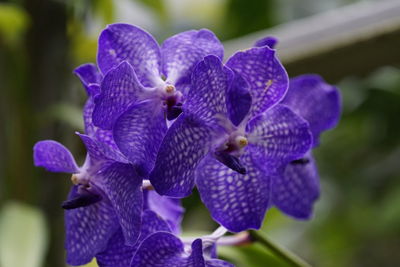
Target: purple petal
<point>196,257</point>
<point>266,41</point>
<point>151,223</point>
<point>120,42</point>
<point>279,135</point>
<point>169,209</point>
<point>181,52</point>
<point>184,145</point>
<point>236,201</point>
<point>123,187</point>
<point>157,250</point>
<point>102,136</point>
<point>164,249</point>
<point>88,74</point>
<point>138,133</point>
<point>88,230</point>
<point>90,129</point>
<point>54,157</point>
<point>264,72</point>
<point>106,137</point>
<point>210,83</point>
<point>93,149</point>
<point>316,101</point>
<point>119,89</point>
<point>238,100</point>
<point>218,263</point>
<point>117,254</point>
<point>99,151</point>
<point>295,191</point>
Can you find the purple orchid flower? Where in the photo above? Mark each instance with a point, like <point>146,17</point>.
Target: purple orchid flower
<point>143,84</point>
<point>164,217</point>
<point>165,249</point>
<point>296,189</point>
<point>107,189</point>
<point>232,138</point>
<point>106,193</point>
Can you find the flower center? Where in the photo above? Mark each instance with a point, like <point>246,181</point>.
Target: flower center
<point>172,101</point>
<point>75,179</point>
<point>241,141</point>
<point>230,151</point>
<point>80,178</point>
<point>235,144</point>
<point>169,89</point>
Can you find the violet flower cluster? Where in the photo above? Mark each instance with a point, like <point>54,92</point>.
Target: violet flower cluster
<point>161,120</point>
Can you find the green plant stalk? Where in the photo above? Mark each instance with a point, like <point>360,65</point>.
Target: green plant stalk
<point>279,251</point>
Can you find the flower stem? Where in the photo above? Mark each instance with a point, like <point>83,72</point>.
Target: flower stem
<point>279,251</point>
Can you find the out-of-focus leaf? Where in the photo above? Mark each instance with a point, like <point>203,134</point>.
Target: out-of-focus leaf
<point>68,114</point>
<point>84,46</point>
<point>253,255</point>
<point>93,263</point>
<point>389,219</point>
<point>243,17</point>
<point>13,22</point>
<point>158,6</point>
<point>386,78</point>
<point>104,9</point>
<point>23,236</point>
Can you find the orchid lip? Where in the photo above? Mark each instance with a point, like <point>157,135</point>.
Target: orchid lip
<point>302,161</point>
<point>173,112</point>
<point>82,200</point>
<point>230,161</point>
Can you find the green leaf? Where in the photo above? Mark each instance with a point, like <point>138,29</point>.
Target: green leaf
<point>105,9</point>
<point>13,22</point>
<point>158,7</point>
<point>68,114</point>
<point>253,255</point>
<point>93,263</point>
<point>23,234</point>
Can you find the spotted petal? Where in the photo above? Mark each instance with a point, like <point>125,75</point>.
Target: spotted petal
<point>123,42</point>
<point>238,100</point>
<point>117,254</point>
<point>88,74</point>
<point>279,136</point>
<point>295,191</point>
<point>316,101</point>
<point>210,83</point>
<point>267,78</point>
<point>100,151</point>
<point>184,145</point>
<point>103,136</point>
<point>123,187</point>
<point>54,157</point>
<point>164,249</point>
<point>170,209</point>
<point>236,201</point>
<point>88,230</point>
<point>181,53</point>
<point>119,89</point>
<point>138,133</point>
<point>90,129</point>
<point>218,263</point>
<point>266,41</point>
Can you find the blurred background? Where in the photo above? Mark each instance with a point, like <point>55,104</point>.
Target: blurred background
<point>357,218</point>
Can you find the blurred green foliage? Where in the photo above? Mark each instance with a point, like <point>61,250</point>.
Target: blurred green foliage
<point>357,220</point>
<point>13,22</point>
<point>23,234</point>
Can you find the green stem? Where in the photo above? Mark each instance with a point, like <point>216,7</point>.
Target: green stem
<point>279,251</point>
